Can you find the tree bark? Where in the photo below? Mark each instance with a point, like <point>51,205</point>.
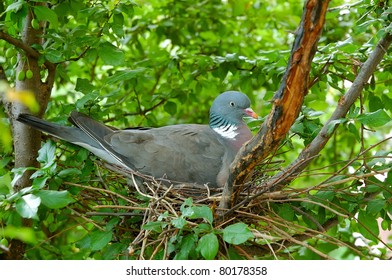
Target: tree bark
<point>287,102</point>
<point>26,140</point>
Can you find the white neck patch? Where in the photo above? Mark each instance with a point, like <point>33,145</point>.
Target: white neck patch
<point>228,131</point>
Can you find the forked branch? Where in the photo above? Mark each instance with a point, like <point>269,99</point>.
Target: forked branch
<point>287,101</point>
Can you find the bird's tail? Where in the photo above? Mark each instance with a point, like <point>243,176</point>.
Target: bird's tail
<point>69,134</point>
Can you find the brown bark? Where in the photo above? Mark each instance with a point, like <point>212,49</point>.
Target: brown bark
<point>287,101</point>
<point>26,140</point>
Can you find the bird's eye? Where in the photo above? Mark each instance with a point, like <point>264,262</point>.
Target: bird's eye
<point>232,104</point>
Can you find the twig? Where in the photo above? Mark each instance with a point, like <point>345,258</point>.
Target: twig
<point>140,112</point>
<point>29,51</point>
<point>344,105</point>
<point>101,190</point>
<point>121,207</point>
<point>86,219</point>
<point>112,214</point>
<point>303,244</point>
<point>20,45</point>
<point>310,217</point>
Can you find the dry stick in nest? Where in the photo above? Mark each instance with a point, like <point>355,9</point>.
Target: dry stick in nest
<point>102,190</point>
<point>162,185</point>
<point>266,187</point>
<point>287,102</point>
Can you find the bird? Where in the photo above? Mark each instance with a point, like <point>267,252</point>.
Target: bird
<point>181,153</point>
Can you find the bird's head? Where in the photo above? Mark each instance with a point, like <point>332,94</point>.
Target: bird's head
<point>231,107</point>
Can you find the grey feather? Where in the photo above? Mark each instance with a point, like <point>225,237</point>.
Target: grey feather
<point>186,153</point>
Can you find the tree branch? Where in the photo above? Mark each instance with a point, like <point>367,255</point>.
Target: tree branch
<point>29,51</point>
<point>344,104</point>
<point>19,44</point>
<point>287,101</point>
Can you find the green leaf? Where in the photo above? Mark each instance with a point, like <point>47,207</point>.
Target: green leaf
<point>188,244</point>
<point>89,97</point>
<point>208,246</point>
<point>124,75</point>
<point>374,119</point>
<point>100,239</point>
<point>84,85</point>
<point>154,226</point>
<point>5,183</point>
<point>112,223</point>
<point>368,226</point>
<point>325,195</point>
<point>286,212</point>
<point>187,211</point>
<point>386,225</point>
<point>179,222</point>
<point>372,188</point>
<point>202,228</point>
<point>45,14</point>
<point>69,172</point>
<point>118,24</point>
<point>353,129</point>
<point>27,206</point>
<point>46,155</point>
<point>110,54</point>
<point>390,209</point>
<point>113,250</point>
<point>39,183</point>
<point>25,234</point>
<point>55,199</point>
<point>237,233</point>
<point>375,103</point>
<point>54,56</point>
<point>188,202</point>
<point>186,208</point>
<point>331,125</point>
<point>171,107</point>
<point>374,206</point>
<point>202,212</point>
<point>16,6</point>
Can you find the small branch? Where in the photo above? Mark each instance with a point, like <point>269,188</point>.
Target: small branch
<point>113,214</point>
<point>141,112</point>
<point>345,6</point>
<point>298,242</point>
<point>101,190</point>
<point>29,51</point>
<point>20,45</point>
<point>80,56</point>
<point>345,102</point>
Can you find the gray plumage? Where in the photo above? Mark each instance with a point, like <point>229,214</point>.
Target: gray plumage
<point>184,153</point>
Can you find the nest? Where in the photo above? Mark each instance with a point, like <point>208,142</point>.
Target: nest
<point>149,208</point>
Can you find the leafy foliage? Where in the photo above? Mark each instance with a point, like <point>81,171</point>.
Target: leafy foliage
<point>153,63</point>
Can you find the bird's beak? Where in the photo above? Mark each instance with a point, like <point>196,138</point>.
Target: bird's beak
<point>251,113</point>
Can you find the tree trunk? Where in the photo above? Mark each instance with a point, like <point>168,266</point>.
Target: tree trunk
<point>287,102</point>
<point>26,140</point>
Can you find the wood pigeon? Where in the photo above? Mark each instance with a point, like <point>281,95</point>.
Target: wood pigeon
<point>183,153</point>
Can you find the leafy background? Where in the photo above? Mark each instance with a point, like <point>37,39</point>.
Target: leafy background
<point>154,63</point>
